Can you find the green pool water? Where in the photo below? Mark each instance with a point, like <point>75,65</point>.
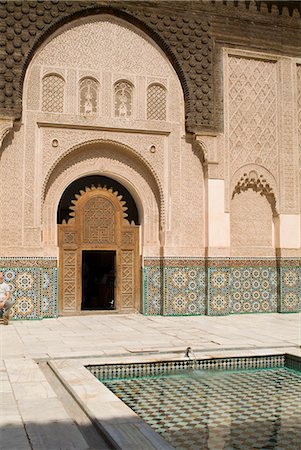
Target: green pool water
<point>243,409</point>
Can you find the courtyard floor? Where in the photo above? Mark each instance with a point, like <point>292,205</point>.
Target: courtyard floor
<point>35,411</point>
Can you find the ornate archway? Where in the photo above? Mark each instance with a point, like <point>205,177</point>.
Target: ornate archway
<point>98,223</point>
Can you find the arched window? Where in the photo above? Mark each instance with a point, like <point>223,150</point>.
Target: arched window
<point>156,102</point>
<point>88,97</point>
<point>53,94</point>
<point>123,99</point>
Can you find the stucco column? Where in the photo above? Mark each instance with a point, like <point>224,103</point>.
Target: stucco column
<point>217,219</point>
<point>289,231</point>
<point>6,125</point>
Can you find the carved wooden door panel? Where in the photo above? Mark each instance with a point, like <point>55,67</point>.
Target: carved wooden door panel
<point>68,261</point>
<point>98,222</point>
<point>130,268</point>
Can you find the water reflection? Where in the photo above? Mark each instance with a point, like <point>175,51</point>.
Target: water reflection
<point>196,410</point>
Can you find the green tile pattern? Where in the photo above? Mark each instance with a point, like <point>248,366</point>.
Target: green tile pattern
<point>33,286</point>
<point>117,371</point>
<point>252,409</point>
<point>220,286</point>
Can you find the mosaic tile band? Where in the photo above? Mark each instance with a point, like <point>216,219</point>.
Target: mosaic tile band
<point>173,286</point>
<point>134,370</point>
<point>220,286</point>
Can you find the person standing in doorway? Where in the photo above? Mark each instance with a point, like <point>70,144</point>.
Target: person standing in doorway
<point>5,302</point>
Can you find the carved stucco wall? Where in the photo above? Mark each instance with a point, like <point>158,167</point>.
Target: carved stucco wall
<point>260,107</point>
<point>191,202</point>
<point>252,150</point>
<point>11,191</point>
<point>25,25</point>
<point>299,121</point>
<point>110,50</point>
<point>154,151</point>
<point>252,93</point>
<point>68,138</point>
<point>259,118</point>
<point>96,38</point>
<point>251,222</point>
<point>258,125</point>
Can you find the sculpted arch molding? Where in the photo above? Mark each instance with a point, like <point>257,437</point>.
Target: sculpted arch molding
<point>110,162</point>
<point>121,148</point>
<point>258,178</point>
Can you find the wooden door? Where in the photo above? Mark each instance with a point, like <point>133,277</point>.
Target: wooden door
<point>98,222</point>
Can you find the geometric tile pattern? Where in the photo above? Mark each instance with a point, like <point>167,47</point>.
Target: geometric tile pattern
<point>185,286</point>
<point>172,289</point>
<point>34,289</point>
<point>107,372</point>
<point>152,290</point>
<point>24,285</point>
<point>253,289</point>
<point>218,291</point>
<point>257,409</point>
<point>177,287</point>
<point>184,291</point>
<point>49,293</point>
<point>290,289</point>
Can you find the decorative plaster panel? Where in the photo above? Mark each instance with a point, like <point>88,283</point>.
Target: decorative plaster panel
<point>251,220</point>
<point>11,188</point>
<point>104,42</point>
<point>299,120</point>
<point>252,112</point>
<point>288,158</point>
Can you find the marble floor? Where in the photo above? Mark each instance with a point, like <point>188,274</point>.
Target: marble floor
<point>33,413</point>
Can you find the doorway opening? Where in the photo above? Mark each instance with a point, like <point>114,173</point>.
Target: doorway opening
<point>98,280</point>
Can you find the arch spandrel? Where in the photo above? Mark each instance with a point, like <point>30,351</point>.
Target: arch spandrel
<point>157,28</point>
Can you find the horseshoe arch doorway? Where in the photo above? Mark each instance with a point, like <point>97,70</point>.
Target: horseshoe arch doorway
<point>98,236</point>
